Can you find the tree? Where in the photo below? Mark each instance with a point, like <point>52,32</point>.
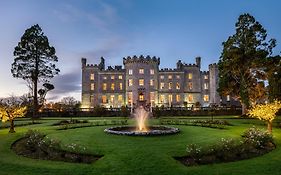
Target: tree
<point>34,60</point>
<point>274,78</point>
<point>43,92</point>
<point>266,112</point>
<point>10,109</point>
<point>69,103</point>
<point>241,63</point>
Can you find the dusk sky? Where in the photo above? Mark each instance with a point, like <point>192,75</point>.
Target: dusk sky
<point>171,30</point>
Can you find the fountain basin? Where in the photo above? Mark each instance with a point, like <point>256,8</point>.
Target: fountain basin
<point>132,131</point>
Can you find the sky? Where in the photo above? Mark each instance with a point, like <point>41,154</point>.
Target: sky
<point>171,30</point>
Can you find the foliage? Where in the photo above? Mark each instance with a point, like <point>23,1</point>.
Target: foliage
<point>266,112</point>
<point>10,109</point>
<point>274,78</point>
<point>34,60</point>
<point>256,137</point>
<point>193,150</point>
<point>242,60</point>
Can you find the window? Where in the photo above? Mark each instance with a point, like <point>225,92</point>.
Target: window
<point>141,71</point>
<point>190,98</point>
<point>170,85</point>
<point>162,77</point>
<point>130,97</point>
<point>91,98</point>
<point>111,98</point>
<point>120,77</point>
<point>141,97</point>
<point>178,86</point>
<point>206,77</point>
<point>112,77</point>
<point>206,86</point>
<point>103,99</point>
<point>161,85</point>
<point>162,98</point>
<point>130,82</point>
<point>120,98</point>
<point>170,77</point>
<point>92,86</point>
<point>190,85</point>
<point>92,76</point>
<point>104,77</point>
<point>151,82</point>
<point>152,97</point>
<point>206,98</point>
<point>121,86</point>
<point>178,76</point>
<point>112,87</point>
<point>170,97</point>
<point>141,82</point>
<point>178,98</point>
<point>228,98</point>
<point>189,76</point>
<point>104,86</point>
<point>151,71</point>
<point>130,71</point>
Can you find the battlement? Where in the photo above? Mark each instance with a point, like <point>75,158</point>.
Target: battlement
<point>141,59</point>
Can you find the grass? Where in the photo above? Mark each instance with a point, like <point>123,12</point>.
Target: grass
<point>137,155</point>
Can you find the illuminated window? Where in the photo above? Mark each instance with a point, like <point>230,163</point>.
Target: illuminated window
<point>141,71</point>
<point>92,86</point>
<point>112,87</point>
<point>141,97</point>
<point>162,77</point>
<point>170,77</point>
<point>104,77</point>
<point>130,82</point>
<point>151,82</point>
<point>189,76</point>
<point>206,98</point>
<point>170,97</point>
<point>120,77</point>
<point>141,82</point>
<point>120,98</point>
<point>190,98</point>
<point>178,86</point>
<point>206,77</point>
<point>162,98</point>
<point>178,76</point>
<point>151,71</point>
<point>170,85</point>
<point>228,98</point>
<point>111,98</point>
<point>130,97</point>
<point>152,96</point>
<point>161,85</point>
<point>104,86</point>
<point>130,71</point>
<point>206,86</point>
<point>121,86</point>
<point>91,98</point>
<point>92,76</point>
<point>103,98</point>
<point>190,85</point>
<point>178,98</point>
<point>112,77</point>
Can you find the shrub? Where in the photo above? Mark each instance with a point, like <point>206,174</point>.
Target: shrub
<point>193,150</point>
<point>256,137</point>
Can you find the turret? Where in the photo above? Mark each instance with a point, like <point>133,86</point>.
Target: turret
<point>101,65</point>
<point>84,62</point>
<point>198,61</point>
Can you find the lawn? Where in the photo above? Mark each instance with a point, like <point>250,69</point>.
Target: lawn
<point>136,155</point>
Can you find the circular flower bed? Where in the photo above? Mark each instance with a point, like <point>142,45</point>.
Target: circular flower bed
<point>131,130</point>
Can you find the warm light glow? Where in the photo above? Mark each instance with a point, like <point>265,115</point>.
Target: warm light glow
<point>141,115</point>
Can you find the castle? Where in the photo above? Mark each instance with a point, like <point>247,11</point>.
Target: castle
<point>141,82</point>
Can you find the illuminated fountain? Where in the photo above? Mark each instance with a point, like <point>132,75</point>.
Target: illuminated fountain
<point>141,116</point>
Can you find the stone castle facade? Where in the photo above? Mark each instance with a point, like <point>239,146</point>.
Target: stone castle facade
<point>141,82</point>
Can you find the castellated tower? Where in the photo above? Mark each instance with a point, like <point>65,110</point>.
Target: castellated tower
<point>213,74</point>
<point>142,80</point>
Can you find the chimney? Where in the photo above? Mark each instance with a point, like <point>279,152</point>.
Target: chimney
<point>198,62</point>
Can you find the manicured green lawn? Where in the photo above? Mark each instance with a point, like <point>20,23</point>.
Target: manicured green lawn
<point>137,155</point>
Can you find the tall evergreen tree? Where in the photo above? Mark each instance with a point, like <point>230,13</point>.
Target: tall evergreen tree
<point>241,62</point>
<point>34,60</point>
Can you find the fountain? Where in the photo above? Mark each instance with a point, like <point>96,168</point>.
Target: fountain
<point>141,116</point>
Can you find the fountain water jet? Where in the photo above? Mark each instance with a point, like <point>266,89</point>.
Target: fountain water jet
<point>141,116</point>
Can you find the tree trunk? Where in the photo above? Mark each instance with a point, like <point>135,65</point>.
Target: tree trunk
<point>269,126</point>
<point>244,109</point>
<point>35,101</point>
<point>12,126</point>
